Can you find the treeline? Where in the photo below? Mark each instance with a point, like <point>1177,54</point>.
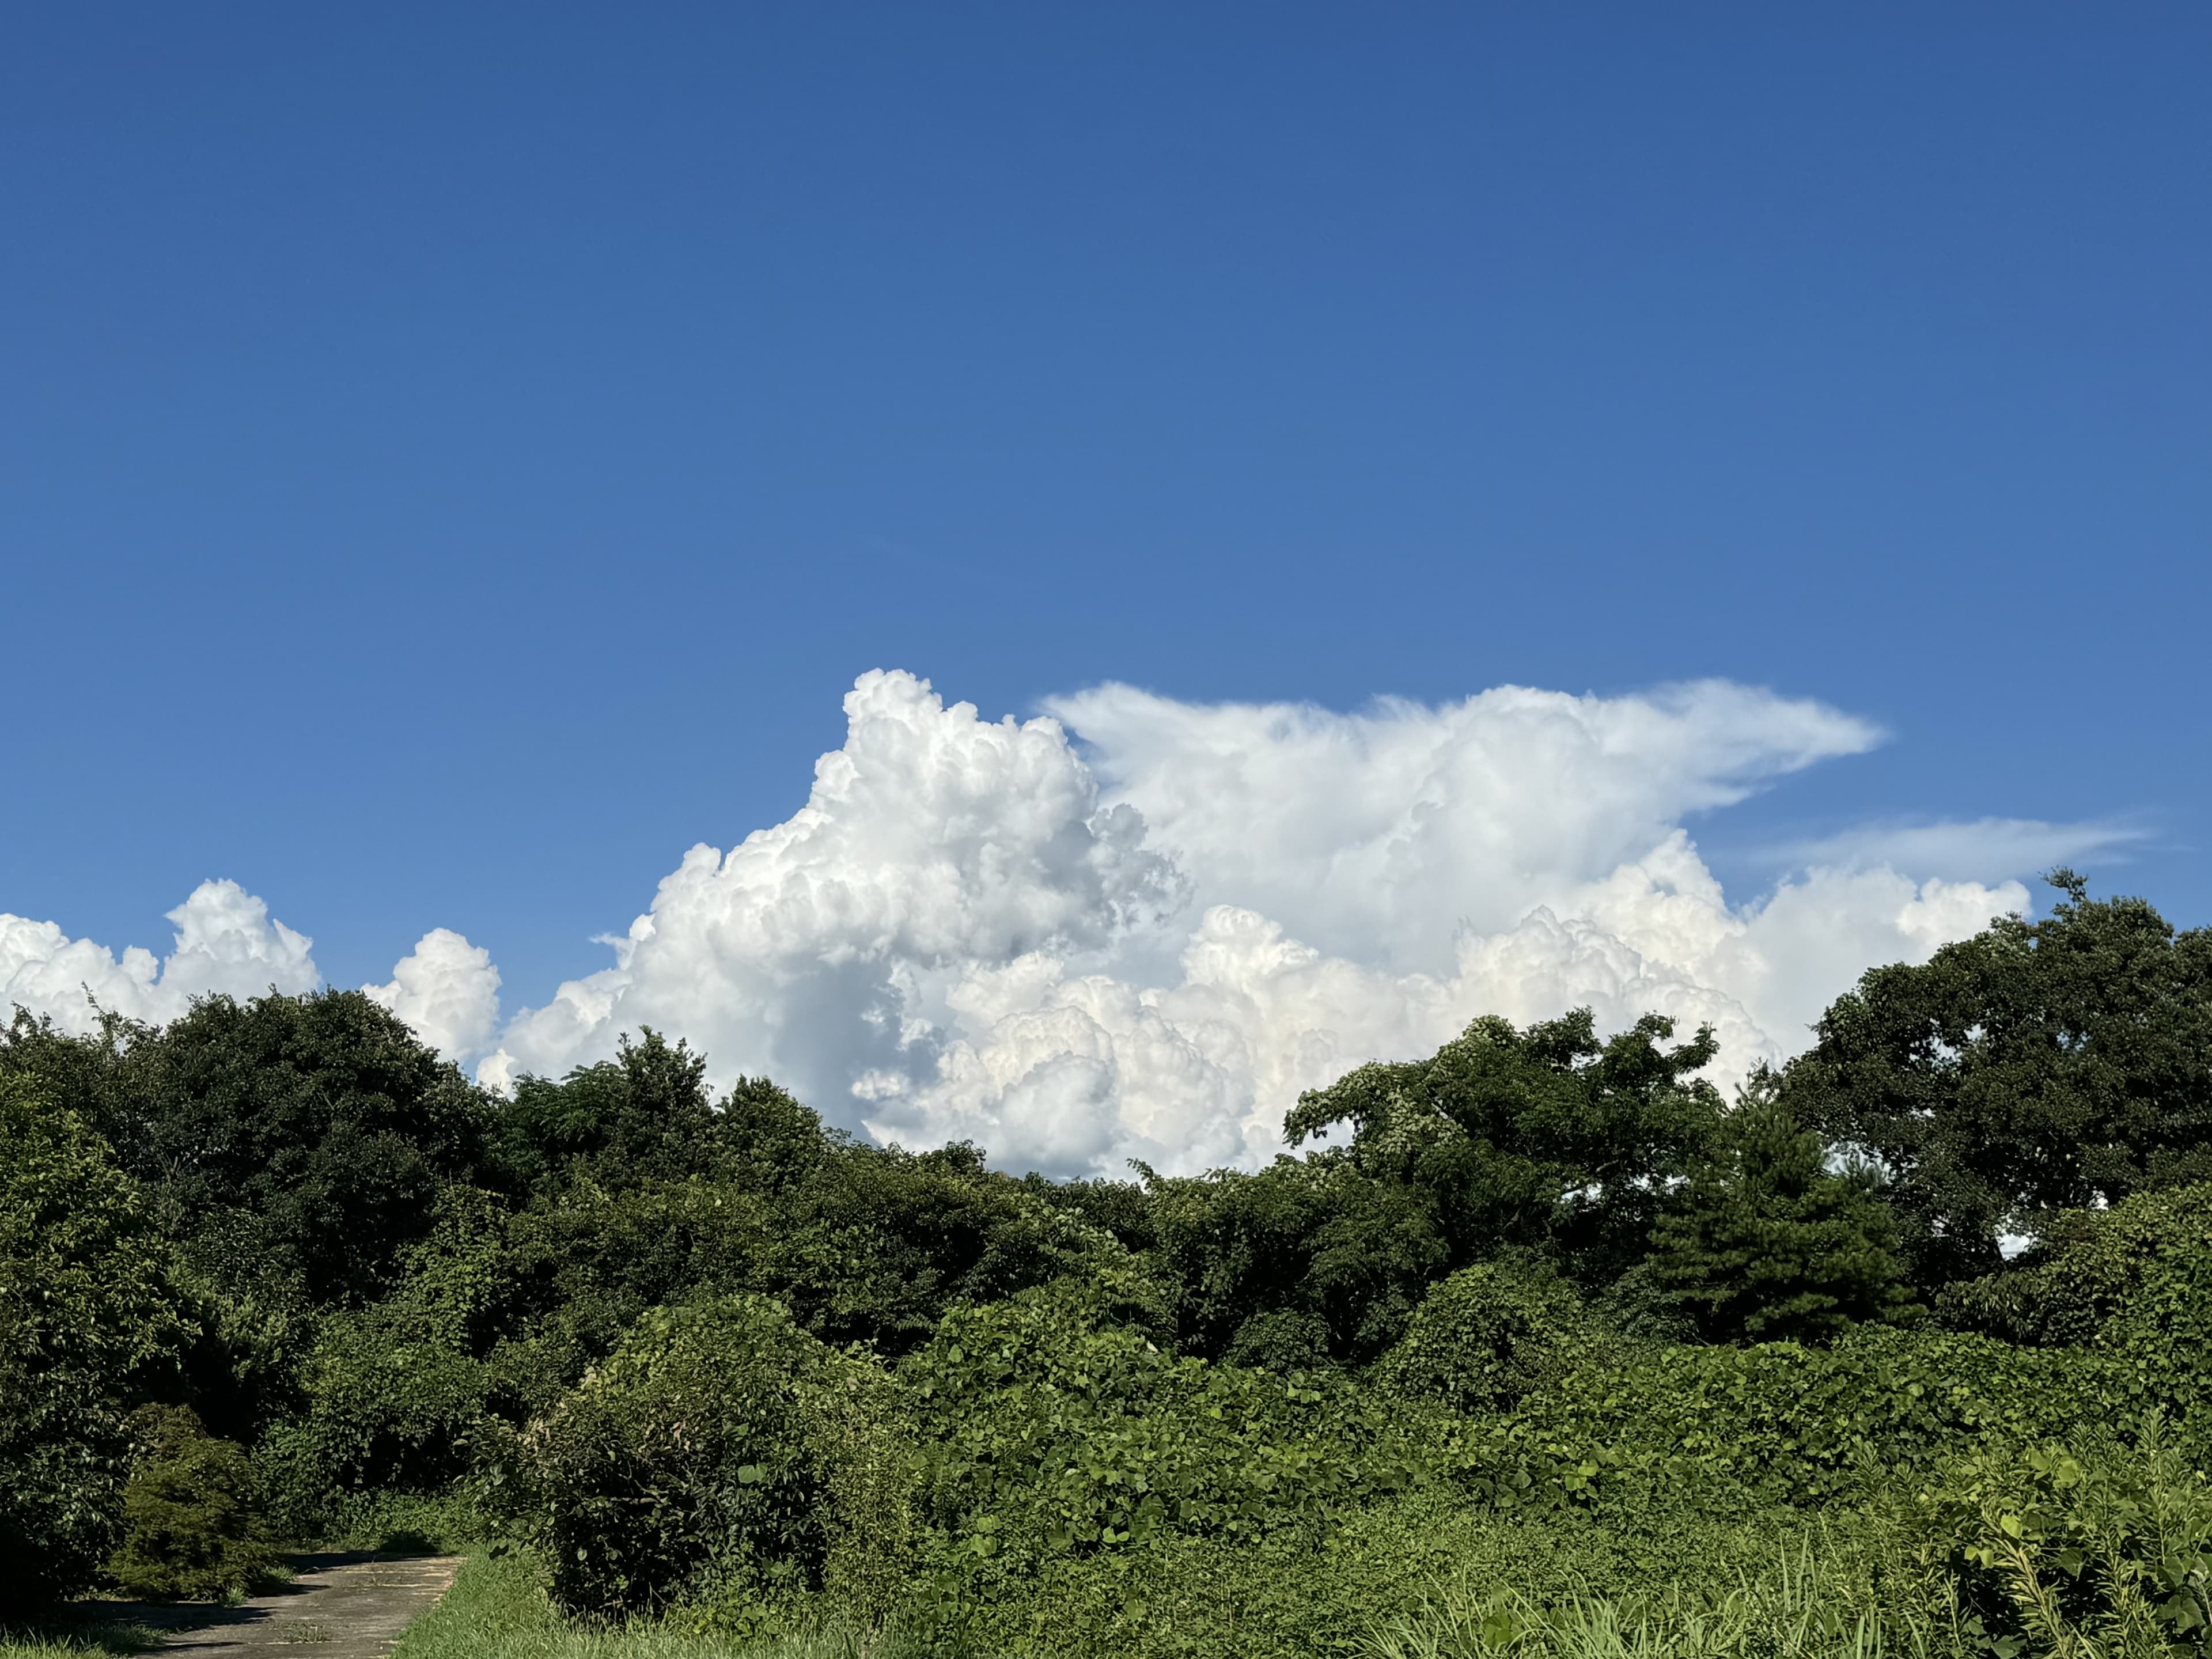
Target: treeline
<point>275,1273</point>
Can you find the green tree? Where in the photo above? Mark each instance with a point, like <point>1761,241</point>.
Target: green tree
<point>2035,1067</point>
<point>644,1115</point>
<point>1316,1239</point>
<point>1549,1141</point>
<point>282,1141</point>
<point>1766,1243</point>
<point>86,1308</point>
<point>1548,1138</point>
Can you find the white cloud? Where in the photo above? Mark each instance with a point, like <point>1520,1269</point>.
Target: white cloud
<point>932,839</point>
<point>225,941</point>
<point>448,991</point>
<point>1144,938</point>
<point>1374,834</point>
<point>1145,946</point>
<point>2019,847</point>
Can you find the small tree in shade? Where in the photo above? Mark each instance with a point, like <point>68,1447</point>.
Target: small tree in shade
<point>1766,1243</point>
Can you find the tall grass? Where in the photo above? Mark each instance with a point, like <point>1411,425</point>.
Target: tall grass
<point>496,1609</point>
<point>70,1636</point>
<point>1804,1609</point>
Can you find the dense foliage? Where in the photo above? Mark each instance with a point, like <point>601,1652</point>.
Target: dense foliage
<point>1765,1242</point>
<point>720,1452</point>
<point>1519,1332</point>
<point>85,1311</point>
<point>2034,1068</point>
<point>192,1519</point>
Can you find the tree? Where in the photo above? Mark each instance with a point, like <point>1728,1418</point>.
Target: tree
<point>85,1309</point>
<point>2035,1067</point>
<point>1547,1138</point>
<point>643,1115</point>
<point>1314,1237</point>
<point>288,1139</point>
<point>1766,1243</point>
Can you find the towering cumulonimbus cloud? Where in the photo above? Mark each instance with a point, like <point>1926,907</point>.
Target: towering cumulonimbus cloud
<point>1139,927</point>
<point>1136,927</point>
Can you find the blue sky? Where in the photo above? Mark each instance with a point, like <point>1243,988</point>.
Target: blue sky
<point>454,458</point>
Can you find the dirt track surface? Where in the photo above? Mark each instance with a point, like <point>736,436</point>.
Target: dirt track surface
<point>340,1607</point>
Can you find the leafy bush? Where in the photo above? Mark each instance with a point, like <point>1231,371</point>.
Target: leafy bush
<point>1486,1336</point>
<point>192,1520</point>
<point>1052,1434</point>
<point>392,1399</point>
<point>1713,1429</point>
<point>2163,1335</point>
<point>1282,1340</point>
<point>721,1456</point>
<point>1414,1567</point>
<point>2134,1280</point>
<point>85,1306</point>
<point>387,1409</point>
<point>2083,1550</point>
<point>2084,1269</point>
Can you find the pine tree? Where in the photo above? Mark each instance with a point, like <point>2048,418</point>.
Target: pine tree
<point>1766,1243</point>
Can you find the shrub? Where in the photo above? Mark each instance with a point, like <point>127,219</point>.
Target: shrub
<point>2163,1336</point>
<point>721,1456</point>
<point>2087,1266</point>
<point>1485,1337</point>
<point>192,1526</point>
<point>393,1401</point>
<point>1712,1430</point>
<point>388,1409</point>
<point>1052,1434</point>
<point>2134,1281</point>
<point>2083,1549</point>
<point>85,1304</point>
<point>1283,1341</point>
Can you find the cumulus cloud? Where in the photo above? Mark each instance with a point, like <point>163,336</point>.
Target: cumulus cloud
<point>448,991</point>
<point>1375,836</point>
<point>933,840</point>
<point>225,941</point>
<point>1139,927</point>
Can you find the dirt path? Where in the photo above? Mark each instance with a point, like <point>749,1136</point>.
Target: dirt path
<point>340,1607</point>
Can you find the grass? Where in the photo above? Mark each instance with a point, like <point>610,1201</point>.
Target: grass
<point>73,1635</point>
<point>1422,1578</point>
<point>497,1610</point>
<point>1799,1609</point>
